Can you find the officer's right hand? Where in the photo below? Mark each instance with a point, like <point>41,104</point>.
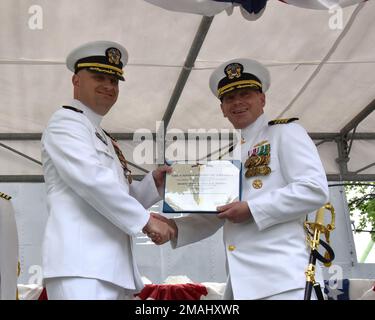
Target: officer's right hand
<point>160,229</point>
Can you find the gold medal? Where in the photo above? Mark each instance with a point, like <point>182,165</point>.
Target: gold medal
<point>251,172</point>
<point>266,160</point>
<point>253,161</point>
<point>264,170</point>
<point>258,158</point>
<point>258,161</point>
<point>257,184</point>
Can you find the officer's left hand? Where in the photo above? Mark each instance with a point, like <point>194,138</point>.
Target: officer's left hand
<point>159,175</point>
<point>235,212</point>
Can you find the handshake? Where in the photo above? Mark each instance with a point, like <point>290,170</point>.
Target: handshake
<point>160,229</point>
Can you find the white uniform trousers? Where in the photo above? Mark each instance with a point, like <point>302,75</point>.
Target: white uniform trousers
<point>297,294</point>
<point>78,288</point>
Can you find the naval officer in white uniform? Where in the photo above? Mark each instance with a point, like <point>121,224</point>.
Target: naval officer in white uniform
<point>94,206</point>
<point>283,181</point>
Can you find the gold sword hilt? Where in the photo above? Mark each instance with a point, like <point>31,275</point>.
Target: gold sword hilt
<point>317,227</point>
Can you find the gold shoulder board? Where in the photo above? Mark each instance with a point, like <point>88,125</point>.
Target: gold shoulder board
<point>281,121</point>
<point>5,196</point>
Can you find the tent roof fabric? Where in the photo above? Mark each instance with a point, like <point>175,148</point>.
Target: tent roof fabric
<point>322,75</point>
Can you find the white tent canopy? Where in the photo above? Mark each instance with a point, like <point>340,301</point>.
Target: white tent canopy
<point>320,73</point>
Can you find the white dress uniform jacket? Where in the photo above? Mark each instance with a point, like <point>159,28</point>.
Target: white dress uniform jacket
<point>8,251</point>
<point>93,211</point>
<point>268,255</point>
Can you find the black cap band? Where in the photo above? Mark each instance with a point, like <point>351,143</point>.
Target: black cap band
<point>100,64</point>
<point>246,80</point>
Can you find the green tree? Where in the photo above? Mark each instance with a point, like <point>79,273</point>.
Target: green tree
<point>361,200</point>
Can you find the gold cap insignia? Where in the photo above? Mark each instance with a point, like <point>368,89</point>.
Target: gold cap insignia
<point>113,55</point>
<point>233,70</point>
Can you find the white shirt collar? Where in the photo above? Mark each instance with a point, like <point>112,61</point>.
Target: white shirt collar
<point>94,118</point>
<point>253,129</point>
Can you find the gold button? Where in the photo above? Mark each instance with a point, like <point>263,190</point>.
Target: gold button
<point>231,248</point>
<point>257,184</point>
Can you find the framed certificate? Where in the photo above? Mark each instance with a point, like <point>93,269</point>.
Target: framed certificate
<point>201,187</point>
